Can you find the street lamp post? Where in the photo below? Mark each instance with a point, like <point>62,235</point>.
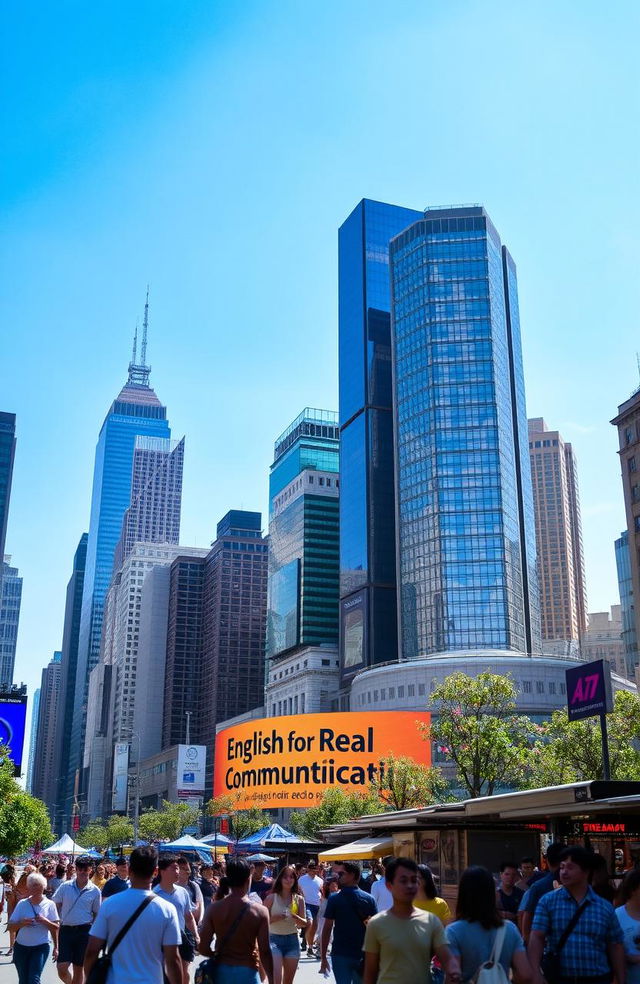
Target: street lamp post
<point>136,784</point>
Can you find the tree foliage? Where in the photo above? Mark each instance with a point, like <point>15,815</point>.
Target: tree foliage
<point>247,822</point>
<point>570,751</point>
<point>221,806</point>
<point>336,806</point>
<point>475,725</point>
<point>406,783</point>
<point>24,820</point>
<point>168,823</point>
<point>116,832</point>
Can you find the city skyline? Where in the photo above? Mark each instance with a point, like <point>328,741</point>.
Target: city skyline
<point>60,224</point>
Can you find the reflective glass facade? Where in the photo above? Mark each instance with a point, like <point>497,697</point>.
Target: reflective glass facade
<point>10,601</point>
<point>7,453</point>
<point>136,411</point>
<point>367,519</point>
<point>466,536</point>
<point>302,608</point>
<point>625,586</point>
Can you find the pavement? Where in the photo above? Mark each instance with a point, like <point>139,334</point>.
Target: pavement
<point>307,972</point>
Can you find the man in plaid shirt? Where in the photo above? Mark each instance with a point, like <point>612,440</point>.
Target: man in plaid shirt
<point>593,953</point>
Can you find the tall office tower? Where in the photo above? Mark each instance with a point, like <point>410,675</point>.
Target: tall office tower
<point>627,422</point>
<point>368,607</point>
<point>10,601</point>
<point>156,495</point>
<point>33,735</point>
<point>152,651</point>
<point>43,784</point>
<point>303,586</point>
<point>216,633</point>
<point>135,411</point>
<point>465,524</point>
<point>70,635</point>
<point>7,454</point>
<point>625,588</point>
<point>113,695</point>
<point>556,505</point>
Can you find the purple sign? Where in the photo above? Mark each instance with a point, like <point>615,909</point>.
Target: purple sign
<point>589,690</point>
<point>13,711</point>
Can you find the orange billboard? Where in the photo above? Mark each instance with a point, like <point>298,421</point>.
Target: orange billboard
<point>290,761</point>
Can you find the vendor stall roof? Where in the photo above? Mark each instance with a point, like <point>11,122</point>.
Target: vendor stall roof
<point>363,849</point>
<point>572,799</point>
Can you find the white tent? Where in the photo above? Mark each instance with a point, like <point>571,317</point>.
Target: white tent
<point>66,845</point>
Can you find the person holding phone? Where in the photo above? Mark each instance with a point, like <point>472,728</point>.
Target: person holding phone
<point>35,918</point>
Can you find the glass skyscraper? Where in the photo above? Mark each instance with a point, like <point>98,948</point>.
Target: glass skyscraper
<point>10,602</point>
<point>135,411</point>
<point>303,587</point>
<point>625,586</point>
<point>7,454</point>
<point>465,523</point>
<point>368,614</point>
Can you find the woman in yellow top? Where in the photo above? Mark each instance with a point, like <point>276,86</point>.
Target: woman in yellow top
<point>100,876</point>
<point>427,897</point>
<point>287,914</point>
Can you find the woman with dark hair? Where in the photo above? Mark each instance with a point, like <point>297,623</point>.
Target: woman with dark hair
<point>287,914</point>
<point>480,932</point>
<point>427,897</point>
<point>629,918</point>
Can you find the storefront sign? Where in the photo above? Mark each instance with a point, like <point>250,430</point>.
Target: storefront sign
<point>290,761</point>
<point>589,690</point>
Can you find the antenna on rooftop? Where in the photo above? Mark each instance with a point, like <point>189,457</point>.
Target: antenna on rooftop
<point>139,371</point>
<point>145,326</point>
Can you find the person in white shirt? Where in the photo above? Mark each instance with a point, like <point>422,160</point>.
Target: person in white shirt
<point>34,918</point>
<point>179,897</point>
<point>380,892</point>
<point>78,902</point>
<point>311,886</point>
<point>151,944</point>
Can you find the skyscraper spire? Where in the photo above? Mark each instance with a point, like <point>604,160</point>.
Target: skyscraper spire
<point>139,371</point>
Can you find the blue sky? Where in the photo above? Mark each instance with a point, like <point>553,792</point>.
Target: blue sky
<point>213,149</point>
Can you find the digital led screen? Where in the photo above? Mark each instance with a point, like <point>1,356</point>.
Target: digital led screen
<point>13,712</point>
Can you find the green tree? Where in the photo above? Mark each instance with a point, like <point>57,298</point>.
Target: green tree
<point>336,806</point>
<point>247,822</point>
<point>23,821</point>
<point>475,725</point>
<point>570,751</point>
<point>406,783</point>
<point>170,822</point>
<point>94,834</point>
<point>218,806</point>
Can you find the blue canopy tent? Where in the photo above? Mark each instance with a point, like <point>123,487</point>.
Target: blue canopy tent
<point>274,836</point>
<point>188,845</point>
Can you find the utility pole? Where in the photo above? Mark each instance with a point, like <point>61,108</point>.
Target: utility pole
<point>188,717</point>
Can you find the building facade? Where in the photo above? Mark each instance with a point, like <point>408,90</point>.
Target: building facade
<point>558,539</point>
<point>627,422</point>
<point>303,584</point>
<point>135,412</point>
<point>625,588</point>
<point>33,734</point>
<point>368,607</point>
<point>156,495</point>
<point>43,783</point>
<point>68,670</point>
<point>216,634</point>
<point>7,455</point>
<point>465,523</point>
<point>10,602</point>
<point>603,640</point>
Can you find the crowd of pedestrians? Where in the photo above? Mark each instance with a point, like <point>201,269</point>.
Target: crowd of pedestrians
<point>385,924</point>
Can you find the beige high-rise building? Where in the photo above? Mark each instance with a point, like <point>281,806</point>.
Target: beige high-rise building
<point>603,639</point>
<point>563,606</point>
<point>628,423</point>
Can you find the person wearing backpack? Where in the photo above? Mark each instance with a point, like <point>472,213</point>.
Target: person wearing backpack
<point>480,937</point>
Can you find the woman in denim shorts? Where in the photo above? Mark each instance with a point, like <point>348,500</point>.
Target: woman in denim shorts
<point>286,915</point>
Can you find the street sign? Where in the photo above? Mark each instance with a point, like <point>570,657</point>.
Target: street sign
<point>589,690</point>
